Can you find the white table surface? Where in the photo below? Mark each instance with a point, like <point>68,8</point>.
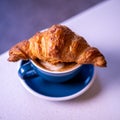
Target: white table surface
<point>100,25</point>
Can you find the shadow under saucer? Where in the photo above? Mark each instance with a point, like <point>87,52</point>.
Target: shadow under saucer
<point>92,93</point>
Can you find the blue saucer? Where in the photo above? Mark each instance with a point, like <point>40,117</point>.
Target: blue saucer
<point>59,91</point>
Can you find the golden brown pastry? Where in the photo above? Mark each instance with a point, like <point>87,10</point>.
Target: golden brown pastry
<point>55,45</point>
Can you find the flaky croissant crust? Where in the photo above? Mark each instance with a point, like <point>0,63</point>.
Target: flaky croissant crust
<point>57,44</point>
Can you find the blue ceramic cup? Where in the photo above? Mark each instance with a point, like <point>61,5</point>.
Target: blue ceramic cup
<point>31,69</point>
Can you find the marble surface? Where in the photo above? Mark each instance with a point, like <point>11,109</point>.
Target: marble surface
<point>100,26</point>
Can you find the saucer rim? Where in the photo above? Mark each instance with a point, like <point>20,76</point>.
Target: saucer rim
<point>80,92</point>
<point>50,98</point>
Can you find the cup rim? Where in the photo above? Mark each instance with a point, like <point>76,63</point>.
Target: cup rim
<point>56,72</point>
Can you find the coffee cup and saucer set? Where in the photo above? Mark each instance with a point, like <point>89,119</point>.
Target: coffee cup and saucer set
<point>56,85</point>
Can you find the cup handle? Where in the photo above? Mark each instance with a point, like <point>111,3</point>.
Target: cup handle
<point>27,71</point>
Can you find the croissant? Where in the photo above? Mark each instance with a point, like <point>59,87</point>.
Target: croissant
<point>55,45</point>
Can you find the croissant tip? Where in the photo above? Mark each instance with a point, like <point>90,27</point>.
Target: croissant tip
<point>102,64</point>
<point>105,65</point>
<point>11,59</point>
